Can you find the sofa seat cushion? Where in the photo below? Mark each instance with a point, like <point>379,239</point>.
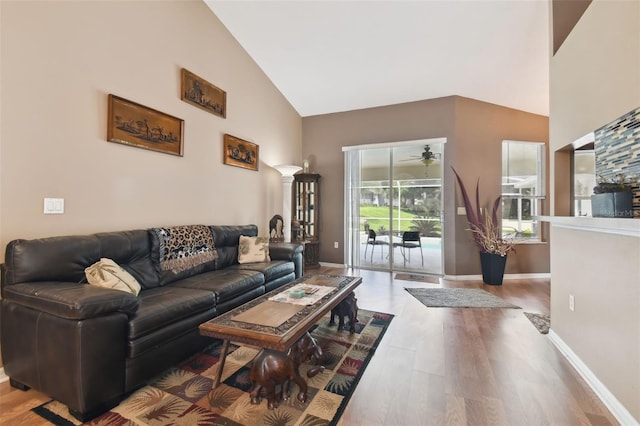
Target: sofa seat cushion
<point>271,270</point>
<point>226,283</point>
<point>162,336</point>
<point>162,306</point>
<point>229,304</point>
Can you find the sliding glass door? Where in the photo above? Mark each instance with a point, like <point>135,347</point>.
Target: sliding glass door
<point>394,206</point>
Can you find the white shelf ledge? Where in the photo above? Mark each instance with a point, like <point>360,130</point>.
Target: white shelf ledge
<point>627,227</point>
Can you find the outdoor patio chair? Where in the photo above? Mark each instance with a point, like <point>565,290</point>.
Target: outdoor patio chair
<point>372,241</point>
<point>410,240</point>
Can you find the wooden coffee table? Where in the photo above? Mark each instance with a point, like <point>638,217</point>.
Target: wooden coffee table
<point>277,325</point>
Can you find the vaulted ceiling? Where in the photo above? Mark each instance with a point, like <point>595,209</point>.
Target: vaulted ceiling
<point>332,56</point>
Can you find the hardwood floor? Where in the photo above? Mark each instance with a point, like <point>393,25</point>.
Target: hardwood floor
<point>443,366</point>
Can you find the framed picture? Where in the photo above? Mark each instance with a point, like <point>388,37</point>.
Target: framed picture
<point>240,153</point>
<point>201,93</point>
<point>133,124</point>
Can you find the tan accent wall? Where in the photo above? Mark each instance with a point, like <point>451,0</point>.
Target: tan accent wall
<point>61,59</point>
<point>474,131</point>
<point>595,78</point>
<point>565,15</point>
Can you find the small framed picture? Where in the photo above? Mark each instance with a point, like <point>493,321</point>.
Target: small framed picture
<point>133,124</point>
<point>240,153</point>
<point>199,92</point>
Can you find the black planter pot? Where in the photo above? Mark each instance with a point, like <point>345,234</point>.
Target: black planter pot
<point>612,204</point>
<point>492,268</point>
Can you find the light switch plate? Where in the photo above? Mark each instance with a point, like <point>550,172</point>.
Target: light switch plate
<point>53,205</point>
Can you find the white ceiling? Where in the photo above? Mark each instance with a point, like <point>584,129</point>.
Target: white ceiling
<point>331,56</point>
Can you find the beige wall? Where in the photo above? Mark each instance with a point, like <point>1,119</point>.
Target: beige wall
<point>61,59</point>
<point>595,78</point>
<point>474,131</point>
<point>604,328</point>
<point>594,75</point>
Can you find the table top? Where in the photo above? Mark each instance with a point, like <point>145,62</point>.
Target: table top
<point>277,325</point>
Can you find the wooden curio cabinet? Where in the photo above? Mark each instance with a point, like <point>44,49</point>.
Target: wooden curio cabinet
<point>304,219</point>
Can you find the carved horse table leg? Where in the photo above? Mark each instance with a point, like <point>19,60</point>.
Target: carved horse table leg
<point>347,308</point>
<point>273,368</point>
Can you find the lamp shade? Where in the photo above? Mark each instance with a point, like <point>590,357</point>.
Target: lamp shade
<point>287,170</point>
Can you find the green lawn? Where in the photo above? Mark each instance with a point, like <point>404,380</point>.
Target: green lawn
<point>379,216</point>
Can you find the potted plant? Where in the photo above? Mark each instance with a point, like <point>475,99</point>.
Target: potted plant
<point>613,197</point>
<point>487,235</point>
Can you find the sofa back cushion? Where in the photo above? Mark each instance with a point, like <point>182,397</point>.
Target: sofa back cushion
<point>108,274</point>
<point>65,258</point>
<point>227,239</point>
<point>182,251</point>
<point>132,251</point>
<point>50,259</point>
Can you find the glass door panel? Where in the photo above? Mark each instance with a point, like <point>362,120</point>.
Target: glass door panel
<point>417,217</point>
<point>375,208</point>
<point>396,208</point>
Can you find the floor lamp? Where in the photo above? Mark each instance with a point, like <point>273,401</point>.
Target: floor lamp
<point>287,173</point>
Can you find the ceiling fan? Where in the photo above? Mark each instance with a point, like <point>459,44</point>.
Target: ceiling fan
<point>426,157</point>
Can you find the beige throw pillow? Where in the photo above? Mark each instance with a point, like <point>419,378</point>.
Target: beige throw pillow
<point>108,274</point>
<point>253,249</point>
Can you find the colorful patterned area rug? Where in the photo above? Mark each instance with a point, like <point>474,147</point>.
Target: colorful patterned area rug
<point>183,395</point>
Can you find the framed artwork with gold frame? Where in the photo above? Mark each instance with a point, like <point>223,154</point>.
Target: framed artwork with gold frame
<point>202,94</point>
<point>240,153</point>
<point>130,123</point>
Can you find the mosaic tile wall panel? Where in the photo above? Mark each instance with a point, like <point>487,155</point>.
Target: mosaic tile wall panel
<point>617,150</point>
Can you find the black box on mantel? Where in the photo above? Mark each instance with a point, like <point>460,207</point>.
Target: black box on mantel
<point>612,204</point>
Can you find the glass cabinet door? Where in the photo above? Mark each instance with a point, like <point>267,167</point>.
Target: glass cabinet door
<point>305,206</point>
<point>305,221</point>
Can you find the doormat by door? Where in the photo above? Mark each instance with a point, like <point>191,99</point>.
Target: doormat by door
<point>183,395</point>
<point>417,277</point>
<point>458,298</point>
<point>540,321</point>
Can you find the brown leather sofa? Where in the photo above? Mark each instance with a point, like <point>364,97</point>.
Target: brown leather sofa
<point>89,347</point>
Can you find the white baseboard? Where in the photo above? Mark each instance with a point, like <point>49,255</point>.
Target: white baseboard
<point>333,265</point>
<point>608,399</point>
<point>3,377</point>
<point>533,276</point>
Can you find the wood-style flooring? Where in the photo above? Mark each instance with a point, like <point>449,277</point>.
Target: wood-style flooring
<point>443,366</point>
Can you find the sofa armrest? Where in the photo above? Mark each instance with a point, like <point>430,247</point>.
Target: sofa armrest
<point>71,300</point>
<point>291,252</point>
<point>284,251</point>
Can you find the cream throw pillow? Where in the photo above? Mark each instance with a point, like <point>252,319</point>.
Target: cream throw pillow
<point>108,274</point>
<point>253,249</point>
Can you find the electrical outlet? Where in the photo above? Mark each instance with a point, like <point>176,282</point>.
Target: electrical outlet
<point>572,303</point>
<point>336,244</point>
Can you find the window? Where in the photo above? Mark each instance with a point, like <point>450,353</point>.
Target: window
<point>523,188</point>
<point>584,179</point>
